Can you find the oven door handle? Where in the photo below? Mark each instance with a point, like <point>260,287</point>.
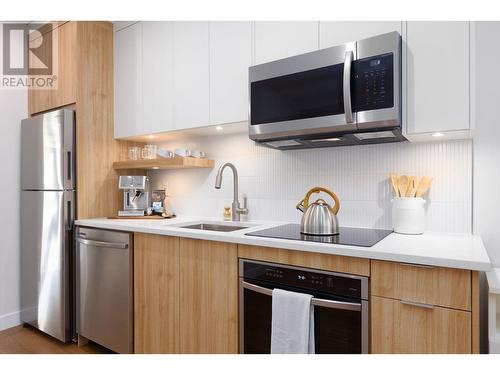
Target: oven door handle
<point>314,301</point>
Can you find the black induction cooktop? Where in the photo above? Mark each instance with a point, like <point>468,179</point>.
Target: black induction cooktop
<point>347,236</point>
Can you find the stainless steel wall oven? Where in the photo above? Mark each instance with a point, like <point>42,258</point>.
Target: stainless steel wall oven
<point>340,306</point>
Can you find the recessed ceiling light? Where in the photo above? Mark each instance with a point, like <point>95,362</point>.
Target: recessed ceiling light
<point>437,134</point>
<point>219,128</point>
<point>155,167</point>
<point>151,136</point>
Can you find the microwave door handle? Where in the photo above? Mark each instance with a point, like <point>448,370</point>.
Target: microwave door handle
<point>340,305</point>
<point>347,86</point>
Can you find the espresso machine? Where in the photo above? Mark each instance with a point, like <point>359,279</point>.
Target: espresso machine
<point>136,195</point>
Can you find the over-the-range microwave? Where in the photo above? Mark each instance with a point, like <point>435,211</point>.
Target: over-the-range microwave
<point>338,96</point>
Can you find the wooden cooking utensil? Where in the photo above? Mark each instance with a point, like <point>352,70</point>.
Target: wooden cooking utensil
<point>423,186</point>
<point>394,182</point>
<point>411,186</point>
<point>403,185</point>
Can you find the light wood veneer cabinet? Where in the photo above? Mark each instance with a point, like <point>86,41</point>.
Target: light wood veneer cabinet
<point>156,294</point>
<point>65,37</point>
<point>423,309</point>
<point>400,327</point>
<point>208,297</point>
<point>186,295</point>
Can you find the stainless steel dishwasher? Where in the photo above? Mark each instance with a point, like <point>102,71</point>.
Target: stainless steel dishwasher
<point>104,288</point>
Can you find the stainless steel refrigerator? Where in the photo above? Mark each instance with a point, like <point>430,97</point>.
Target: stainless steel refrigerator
<point>47,215</point>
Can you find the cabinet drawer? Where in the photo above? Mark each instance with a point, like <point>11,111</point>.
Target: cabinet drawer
<point>399,327</point>
<point>335,263</point>
<point>438,286</point>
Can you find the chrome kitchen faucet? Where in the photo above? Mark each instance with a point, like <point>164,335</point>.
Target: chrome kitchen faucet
<point>236,210</point>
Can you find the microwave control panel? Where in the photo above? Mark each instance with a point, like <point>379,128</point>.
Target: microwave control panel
<point>373,83</point>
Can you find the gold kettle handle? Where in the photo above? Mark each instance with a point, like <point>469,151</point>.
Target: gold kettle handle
<point>305,202</point>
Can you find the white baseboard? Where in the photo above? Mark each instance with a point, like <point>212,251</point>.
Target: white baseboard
<point>10,320</point>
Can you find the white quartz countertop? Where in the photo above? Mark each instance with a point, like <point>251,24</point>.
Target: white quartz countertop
<point>454,250</point>
<point>493,277</point>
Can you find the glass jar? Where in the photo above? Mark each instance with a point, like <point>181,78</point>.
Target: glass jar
<point>148,152</point>
<point>133,153</point>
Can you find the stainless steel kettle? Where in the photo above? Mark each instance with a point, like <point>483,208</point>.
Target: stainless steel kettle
<point>319,218</point>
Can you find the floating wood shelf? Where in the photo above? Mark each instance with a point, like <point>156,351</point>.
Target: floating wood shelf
<point>177,162</point>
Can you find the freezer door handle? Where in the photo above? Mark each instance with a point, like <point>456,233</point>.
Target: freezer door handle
<point>69,211</point>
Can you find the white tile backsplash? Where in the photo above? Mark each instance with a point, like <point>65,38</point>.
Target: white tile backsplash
<point>274,181</point>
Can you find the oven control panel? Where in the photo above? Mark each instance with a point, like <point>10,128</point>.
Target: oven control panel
<point>304,279</point>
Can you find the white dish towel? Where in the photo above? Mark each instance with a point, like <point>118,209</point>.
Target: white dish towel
<point>292,323</point>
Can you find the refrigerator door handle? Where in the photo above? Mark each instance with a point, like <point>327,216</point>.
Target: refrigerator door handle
<point>69,166</point>
<point>69,213</point>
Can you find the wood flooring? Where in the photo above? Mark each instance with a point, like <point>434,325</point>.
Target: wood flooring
<point>28,340</point>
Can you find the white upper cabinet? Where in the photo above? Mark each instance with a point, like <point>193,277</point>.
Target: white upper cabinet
<point>128,81</point>
<point>276,40</point>
<point>183,74</point>
<point>230,57</point>
<point>157,76</point>
<point>437,76</point>
<point>191,74</point>
<point>333,33</point>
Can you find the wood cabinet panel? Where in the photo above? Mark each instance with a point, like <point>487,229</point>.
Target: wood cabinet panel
<point>208,297</point>
<point>439,286</point>
<point>98,193</point>
<point>476,313</point>
<point>64,51</point>
<point>337,263</point>
<point>39,100</point>
<point>400,328</point>
<point>156,293</point>
<point>67,70</point>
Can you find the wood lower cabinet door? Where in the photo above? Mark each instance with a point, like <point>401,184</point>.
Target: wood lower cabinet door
<point>156,294</point>
<point>398,327</point>
<point>445,287</point>
<point>208,297</point>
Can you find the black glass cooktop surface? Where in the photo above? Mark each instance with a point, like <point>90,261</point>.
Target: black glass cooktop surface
<point>347,236</point>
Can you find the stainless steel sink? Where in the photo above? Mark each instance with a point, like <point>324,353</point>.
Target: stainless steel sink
<point>214,227</point>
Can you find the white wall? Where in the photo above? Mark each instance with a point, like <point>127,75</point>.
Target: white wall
<point>13,108</point>
<point>486,177</point>
<point>487,137</point>
<point>275,181</point>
